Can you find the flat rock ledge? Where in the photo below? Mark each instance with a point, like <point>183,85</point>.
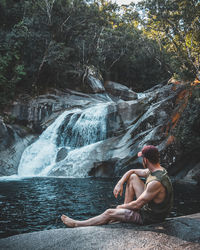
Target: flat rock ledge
<point>177,233</point>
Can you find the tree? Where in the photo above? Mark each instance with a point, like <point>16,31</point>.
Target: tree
<point>176,25</point>
<point>52,43</point>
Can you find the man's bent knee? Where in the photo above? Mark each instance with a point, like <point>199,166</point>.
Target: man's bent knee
<point>109,212</point>
<point>132,178</point>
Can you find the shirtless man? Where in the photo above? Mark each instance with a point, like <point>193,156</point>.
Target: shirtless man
<point>154,198</point>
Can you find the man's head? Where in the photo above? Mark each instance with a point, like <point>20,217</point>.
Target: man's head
<point>151,153</point>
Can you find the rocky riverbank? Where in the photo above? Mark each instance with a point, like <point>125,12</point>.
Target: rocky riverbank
<point>177,233</point>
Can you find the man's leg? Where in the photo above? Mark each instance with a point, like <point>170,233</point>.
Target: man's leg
<point>118,214</point>
<point>134,187</point>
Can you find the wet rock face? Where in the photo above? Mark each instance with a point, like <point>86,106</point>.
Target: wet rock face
<point>165,116</point>
<point>38,113</point>
<point>13,141</point>
<point>151,119</point>
<point>6,135</point>
<point>187,128</point>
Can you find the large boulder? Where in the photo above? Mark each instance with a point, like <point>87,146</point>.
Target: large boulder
<point>177,233</point>
<point>62,153</point>
<point>90,160</point>
<point>119,90</point>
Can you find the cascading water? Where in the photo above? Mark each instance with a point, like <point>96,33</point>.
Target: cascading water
<point>84,128</point>
<point>77,131</point>
<point>41,153</point>
<point>96,84</point>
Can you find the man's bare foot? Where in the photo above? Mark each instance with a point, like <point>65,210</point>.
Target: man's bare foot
<point>68,221</point>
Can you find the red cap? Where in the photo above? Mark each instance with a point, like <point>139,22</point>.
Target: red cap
<point>148,152</point>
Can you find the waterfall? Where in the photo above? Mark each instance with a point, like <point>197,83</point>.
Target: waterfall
<point>84,128</point>
<point>73,130</point>
<point>96,84</point>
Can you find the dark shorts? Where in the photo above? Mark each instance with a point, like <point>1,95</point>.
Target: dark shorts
<point>131,216</point>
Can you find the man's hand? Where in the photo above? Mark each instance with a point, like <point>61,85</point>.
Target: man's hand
<point>118,189</point>
<point>149,194</point>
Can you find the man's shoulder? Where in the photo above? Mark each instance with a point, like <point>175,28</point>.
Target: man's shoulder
<point>154,184</point>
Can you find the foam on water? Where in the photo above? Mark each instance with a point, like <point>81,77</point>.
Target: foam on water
<point>11,178</point>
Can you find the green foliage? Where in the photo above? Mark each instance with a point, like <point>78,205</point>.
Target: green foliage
<point>11,64</point>
<point>175,25</point>
<point>51,43</point>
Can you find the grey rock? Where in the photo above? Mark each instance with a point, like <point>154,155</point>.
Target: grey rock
<point>166,116</point>
<point>187,131</point>
<point>39,112</point>
<point>62,153</point>
<point>103,169</point>
<point>11,154</point>
<point>177,233</point>
<point>119,90</point>
<point>6,135</point>
<point>194,174</point>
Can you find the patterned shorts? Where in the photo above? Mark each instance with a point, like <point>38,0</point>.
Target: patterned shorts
<point>133,217</point>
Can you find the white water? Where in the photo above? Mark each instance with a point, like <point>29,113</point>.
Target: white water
<point>77,163</point>
<point>96,84</point>
<point>11,178</point>
<point>86,127</point>
<point>83,128</point>
<point>42,152</point>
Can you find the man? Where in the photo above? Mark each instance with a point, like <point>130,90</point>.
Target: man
<point>154,199</point>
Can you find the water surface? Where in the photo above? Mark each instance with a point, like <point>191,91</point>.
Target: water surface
<point>35,204</point>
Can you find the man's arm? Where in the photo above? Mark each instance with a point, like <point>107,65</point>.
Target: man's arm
<point>152,190</point>
<point>119,187</point>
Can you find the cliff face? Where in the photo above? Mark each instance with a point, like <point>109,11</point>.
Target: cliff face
<point>186,132</point>
<point>166,116</point>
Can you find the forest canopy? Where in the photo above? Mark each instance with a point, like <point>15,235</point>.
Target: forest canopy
<point>51,43</point>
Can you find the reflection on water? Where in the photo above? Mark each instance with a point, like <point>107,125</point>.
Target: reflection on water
<point>35,204</point>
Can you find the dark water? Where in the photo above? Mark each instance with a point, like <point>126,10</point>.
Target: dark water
<point>35,204</point>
